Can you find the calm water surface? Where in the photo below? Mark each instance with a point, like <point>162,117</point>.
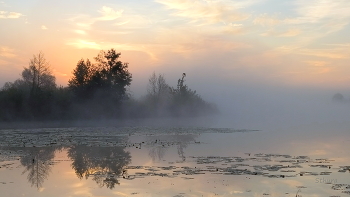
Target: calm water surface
<point>148,161</point>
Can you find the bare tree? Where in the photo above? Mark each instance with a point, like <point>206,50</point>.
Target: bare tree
<point>157,87</point>
<point>158,95</point>
<point>39,74</point>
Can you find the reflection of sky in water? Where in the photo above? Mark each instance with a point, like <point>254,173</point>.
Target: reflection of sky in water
<point>186,164</point>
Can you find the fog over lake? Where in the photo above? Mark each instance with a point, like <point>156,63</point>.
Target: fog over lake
<point>178,98</point>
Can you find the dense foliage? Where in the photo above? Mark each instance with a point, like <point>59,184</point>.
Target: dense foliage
<point>96,90</point>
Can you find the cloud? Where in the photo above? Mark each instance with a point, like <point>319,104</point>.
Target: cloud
<point>326,53</point>
<point>10,15</point>
<point>121,23</point>
<point>322,16</point>
<point>343,45</point>
<point>207,12</point>
<point>61,74</point>
<point>317,63</point>
<point>86,21</point>
<point>266,20</point>
<point>81,32</point>
<point>43,27</point>
<point>6,52</point>
<point>86,44</point>
<point>319,67</point>
<point>314,11</point>
<point>109,14</point>
<point>279,33</point>
<point>290,33</point>
<point>83,44</point>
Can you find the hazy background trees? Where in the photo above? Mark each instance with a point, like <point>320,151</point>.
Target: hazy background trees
<point>163,100</point>
<point>158,95</point>
<point>339,98</point>
<point>186,102</point>
<point>97,90</point>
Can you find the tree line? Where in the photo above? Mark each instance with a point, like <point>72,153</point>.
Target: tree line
<point>97,90</point>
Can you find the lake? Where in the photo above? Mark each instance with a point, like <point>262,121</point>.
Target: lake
<point>309,160</point>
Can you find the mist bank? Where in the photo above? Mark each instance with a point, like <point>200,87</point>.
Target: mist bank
<point>102,93</point>
<point>258,106</point>
<point>250,107</point>
<point>170,122</point>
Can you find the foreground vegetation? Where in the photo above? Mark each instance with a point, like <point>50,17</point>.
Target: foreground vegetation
<point>97,90</point>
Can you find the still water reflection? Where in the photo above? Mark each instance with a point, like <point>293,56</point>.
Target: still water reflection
<point>144,161</point>
<point>102,164</point>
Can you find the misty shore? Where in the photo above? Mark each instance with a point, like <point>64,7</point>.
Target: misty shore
<point>203,121</point>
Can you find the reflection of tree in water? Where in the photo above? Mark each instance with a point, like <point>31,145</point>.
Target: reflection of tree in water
<point>157,152</point>
<point>160,145</point>
<point>105,164</point>
<point>37,163</point>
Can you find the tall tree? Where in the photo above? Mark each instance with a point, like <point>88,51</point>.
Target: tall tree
<point>39,77</point>
<point>108,77</point>
<point>101,85</point>
<point>81,78</point>
<point>112,75</point>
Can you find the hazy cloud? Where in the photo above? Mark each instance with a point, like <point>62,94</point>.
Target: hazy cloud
<point>81,32</point>
<point>7,52</point>
<point>43,27</point>
<point>317,63</point>
<point>81,44</point>
<point>284,33</point>
<point>326,53</point>
<point>109,14</point>
<point>206,12</point>
<point>9,15</point>
<point>266,20</point>
<point>313,11</point>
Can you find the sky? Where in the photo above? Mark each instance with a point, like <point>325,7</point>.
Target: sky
<point>218,43</point>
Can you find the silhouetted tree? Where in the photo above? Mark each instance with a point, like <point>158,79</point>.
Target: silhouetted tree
<point>62,105</point>
<point>101,85</point>
<point>111,76</point>
<point>81,79</point>
<point>42,83</point>
<point>14,98</point>
<point>38,74</point>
